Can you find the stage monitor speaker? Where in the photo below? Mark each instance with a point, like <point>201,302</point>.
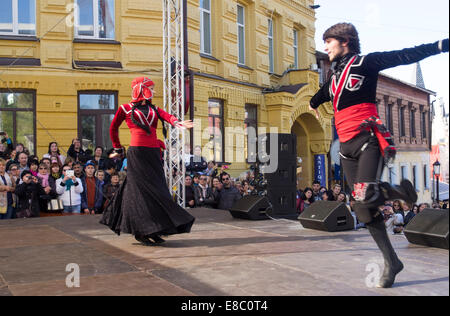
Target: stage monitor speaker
<point>429,228</point>
<point>252,207</point>
<point>328,216</point>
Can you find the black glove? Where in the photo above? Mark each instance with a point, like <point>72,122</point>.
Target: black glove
<point>445,45</point>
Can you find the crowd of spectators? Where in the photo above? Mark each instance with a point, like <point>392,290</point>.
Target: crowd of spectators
<point>83,182</point>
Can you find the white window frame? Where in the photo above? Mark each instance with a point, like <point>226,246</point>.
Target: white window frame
<point>407,172</point>
<point>271,47</point>
<point>239,26</point>
<point>96,25</point>
<point>15,20</point>
<point>427,180</point>
<point>202,32</point>
<point>295,45</point>
<point>391,178</point>
<point>415,177</point>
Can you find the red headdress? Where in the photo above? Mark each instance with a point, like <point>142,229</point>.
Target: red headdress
<point>141,89</point>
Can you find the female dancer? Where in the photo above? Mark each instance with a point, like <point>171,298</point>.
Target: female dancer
<point>143,206</point>
<point>365,142</point>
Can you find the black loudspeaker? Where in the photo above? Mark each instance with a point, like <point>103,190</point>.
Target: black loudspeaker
<point>330,216</point>
<point>280,146</point>
<point>285,175</point>
<point>253,207</point>
<point>284,202</point>
<point>429,228</point>
<point>278,156</point>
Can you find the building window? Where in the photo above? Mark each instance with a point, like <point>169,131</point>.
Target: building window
<point>414,174</point>
<point>295,49</point>
<point>402,122</point>
<point>241,33</point>
<point>404,173</point>
<point>423,124</point>
<point>205,26</point>
<point>426,177</point>
<point>96,110</point>
<point>17,117</point>
<point>271,47</point>
<point>391,175</point>
<point>251,132</point>
<point>18,17</point>
<point>389,118</point>
<point>95,19</point>
<point>412,122</point>
<point>216,131</point>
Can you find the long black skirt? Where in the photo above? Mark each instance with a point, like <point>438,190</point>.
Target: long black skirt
<point>143,204</point>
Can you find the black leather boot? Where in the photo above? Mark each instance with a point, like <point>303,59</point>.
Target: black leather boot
<point>143,240</point>
<point>156,238</point>
<point>392,264</point>
<point>405,191</point>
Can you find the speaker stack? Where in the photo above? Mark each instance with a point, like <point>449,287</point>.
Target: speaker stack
<point>330,216</point>
<point>279,168</point>
<point>280,171</point>
<point>429,228</point>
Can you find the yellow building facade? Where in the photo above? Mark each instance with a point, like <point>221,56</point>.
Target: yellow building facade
<point>249,63</point>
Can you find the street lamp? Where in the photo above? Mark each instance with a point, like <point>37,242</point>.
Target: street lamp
<point>437,173</point>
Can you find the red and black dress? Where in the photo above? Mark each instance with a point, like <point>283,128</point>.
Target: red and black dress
<point>143,204</point>
<point>365,143</point>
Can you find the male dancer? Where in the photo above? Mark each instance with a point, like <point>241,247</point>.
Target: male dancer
<point>366,144</point>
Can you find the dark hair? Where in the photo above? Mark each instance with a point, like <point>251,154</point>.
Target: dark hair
<point>98,148</point>
<point>329,194</point>
<point>33,162</point>
<point>316,182</point>
<point>50,145</point>
<point>222,175</point>
<point>345,32</point>
<point>345,195</point>
<point>304,198</point>
<point>109,164</point>
<point>24,173</point>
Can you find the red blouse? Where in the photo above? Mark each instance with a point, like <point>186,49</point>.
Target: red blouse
<point>139,137</point>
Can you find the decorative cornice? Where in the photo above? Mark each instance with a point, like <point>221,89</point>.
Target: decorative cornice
<point>16,84</point>
<point>97,86</point>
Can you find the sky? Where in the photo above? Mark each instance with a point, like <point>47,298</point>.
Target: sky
<point>391,25</point>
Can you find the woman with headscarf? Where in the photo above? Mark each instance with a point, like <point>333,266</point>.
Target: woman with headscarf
<point>143,205</point>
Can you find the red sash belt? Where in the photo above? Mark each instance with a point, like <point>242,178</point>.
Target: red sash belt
<point>352,120</point>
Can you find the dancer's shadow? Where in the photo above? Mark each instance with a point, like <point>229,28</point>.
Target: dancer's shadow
<point>224,242</point>
<point>417,282</point>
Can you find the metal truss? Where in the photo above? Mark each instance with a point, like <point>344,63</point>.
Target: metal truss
<point>173,81</point>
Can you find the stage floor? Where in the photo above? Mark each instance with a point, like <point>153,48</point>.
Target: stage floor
<point>221,256</point>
